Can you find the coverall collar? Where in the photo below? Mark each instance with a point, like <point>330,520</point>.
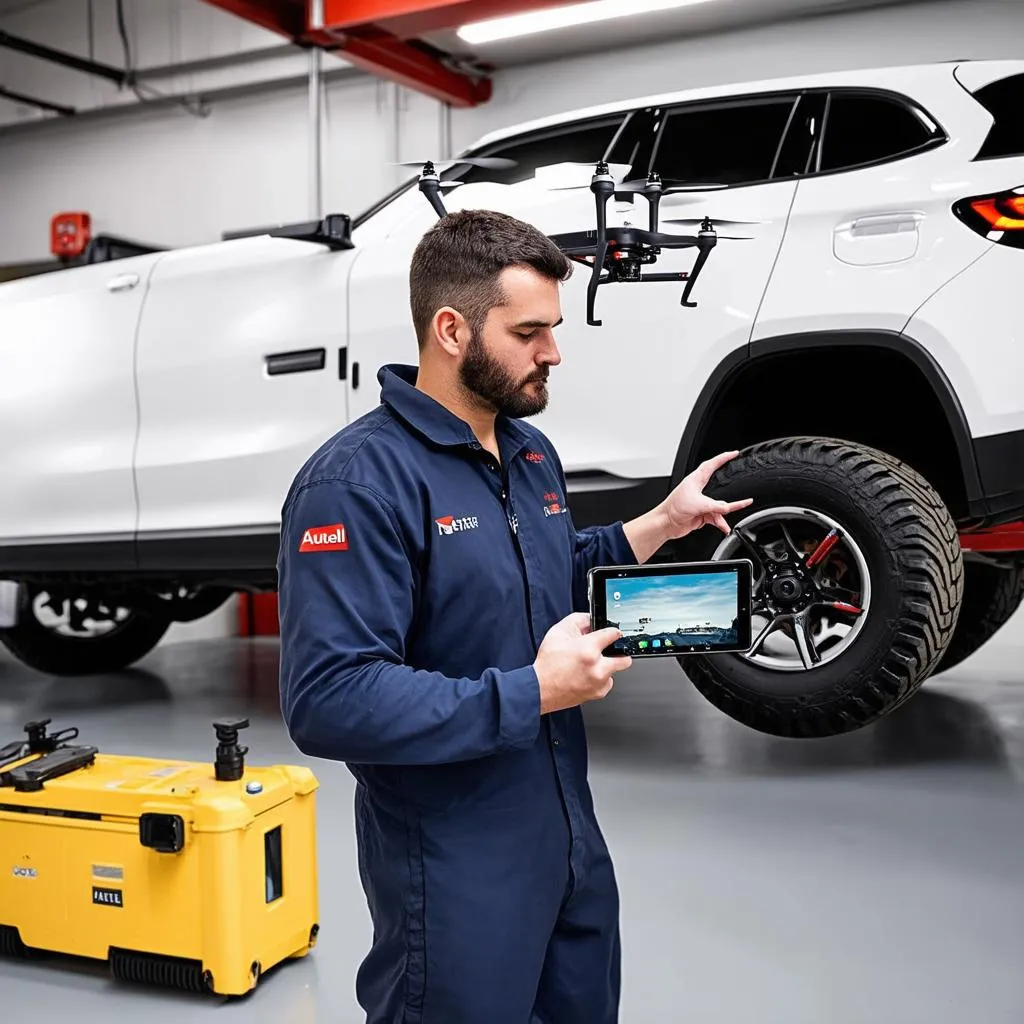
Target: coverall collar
<point>433,420</point>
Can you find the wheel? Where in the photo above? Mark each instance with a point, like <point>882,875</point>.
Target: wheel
<point>992,594</point>
<point>185,604</point>
<point>81,635</point>
<point>858,578</point>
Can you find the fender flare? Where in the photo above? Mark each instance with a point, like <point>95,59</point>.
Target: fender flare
<point>694,435</point>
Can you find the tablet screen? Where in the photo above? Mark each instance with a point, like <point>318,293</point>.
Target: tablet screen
<point>662,614</point>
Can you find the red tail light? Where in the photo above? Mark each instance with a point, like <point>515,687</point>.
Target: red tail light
<point>999,217</point>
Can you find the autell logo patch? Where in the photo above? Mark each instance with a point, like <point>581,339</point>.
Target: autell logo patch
<point>325,538</point>
<point>447,525</point>
<point>534,457</point>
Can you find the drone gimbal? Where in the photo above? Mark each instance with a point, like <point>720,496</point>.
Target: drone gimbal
<point>614,254</point>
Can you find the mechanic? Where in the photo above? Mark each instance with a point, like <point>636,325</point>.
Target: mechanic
<point>434,636</point>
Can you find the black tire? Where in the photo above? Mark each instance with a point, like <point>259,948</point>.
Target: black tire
<point>897,527</point>
<point>42,648</point>
<point>992,595</point>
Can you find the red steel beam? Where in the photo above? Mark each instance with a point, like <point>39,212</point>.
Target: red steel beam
<point>397,61</point>
<point>407,19</point>
<point>283,16</point>
<point>371,48</point>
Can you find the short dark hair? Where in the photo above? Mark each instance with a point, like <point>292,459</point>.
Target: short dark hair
<point>458,262</point>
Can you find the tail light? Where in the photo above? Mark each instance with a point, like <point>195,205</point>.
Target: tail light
<point>999,217</point>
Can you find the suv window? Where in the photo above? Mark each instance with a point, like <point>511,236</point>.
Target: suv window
<point>1003,100</point>
<point>729,143</point>
<point>582,142</point>
<point>863,128</point>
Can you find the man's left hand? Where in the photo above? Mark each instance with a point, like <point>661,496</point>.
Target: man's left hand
<point>687,508</point>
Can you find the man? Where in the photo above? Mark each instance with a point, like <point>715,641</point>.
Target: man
<point>434,636</point>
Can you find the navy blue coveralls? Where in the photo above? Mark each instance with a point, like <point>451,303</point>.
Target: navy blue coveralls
<point>418,578</point>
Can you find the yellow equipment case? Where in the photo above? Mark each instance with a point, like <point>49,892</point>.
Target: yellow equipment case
<point>189,875</point>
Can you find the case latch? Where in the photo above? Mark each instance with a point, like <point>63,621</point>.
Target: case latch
<point>164,833</point>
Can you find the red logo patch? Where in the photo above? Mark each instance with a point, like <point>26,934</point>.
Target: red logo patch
<point>534,457</point>
<point>325,538</point>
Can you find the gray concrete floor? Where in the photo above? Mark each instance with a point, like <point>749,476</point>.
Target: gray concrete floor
<point>874,878</point>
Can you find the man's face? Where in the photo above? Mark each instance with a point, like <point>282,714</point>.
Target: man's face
<point>506,364</point>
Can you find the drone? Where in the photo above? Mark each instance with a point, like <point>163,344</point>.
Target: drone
<point>612,254</point>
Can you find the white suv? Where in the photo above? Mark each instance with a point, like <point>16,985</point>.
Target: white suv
<point>855,333</point>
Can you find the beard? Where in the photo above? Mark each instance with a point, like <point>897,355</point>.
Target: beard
<point>493,386</point>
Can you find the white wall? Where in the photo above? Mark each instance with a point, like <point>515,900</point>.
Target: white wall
<point>165,176</point>
<point>172,179</point>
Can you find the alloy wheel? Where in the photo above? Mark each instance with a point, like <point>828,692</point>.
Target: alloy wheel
<point>811,586</point>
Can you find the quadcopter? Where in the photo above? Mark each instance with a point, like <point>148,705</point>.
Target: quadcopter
<point>612,254</point>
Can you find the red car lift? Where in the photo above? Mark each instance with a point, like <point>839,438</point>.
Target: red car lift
<point>382,36</point>
<point>996,539</point>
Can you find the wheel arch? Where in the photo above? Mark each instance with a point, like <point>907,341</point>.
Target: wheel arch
<point>751,397</point>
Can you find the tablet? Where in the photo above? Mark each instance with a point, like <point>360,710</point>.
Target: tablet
<point>675,608</point>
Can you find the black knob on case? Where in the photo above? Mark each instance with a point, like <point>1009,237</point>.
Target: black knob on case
<point>230,763</point>
<point>37,735</point>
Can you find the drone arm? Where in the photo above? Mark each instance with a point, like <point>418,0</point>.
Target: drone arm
<point>655,203</point>
<point>431,188</point>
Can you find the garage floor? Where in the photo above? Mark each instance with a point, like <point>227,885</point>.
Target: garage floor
<point>879,877</point>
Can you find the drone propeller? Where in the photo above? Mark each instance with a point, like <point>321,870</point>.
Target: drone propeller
<point>490,163</point>
<point>718,222</point>
<point>670,186</point>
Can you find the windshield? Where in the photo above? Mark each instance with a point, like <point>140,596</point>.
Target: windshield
<point>384,201</point>
<point>572,142</point>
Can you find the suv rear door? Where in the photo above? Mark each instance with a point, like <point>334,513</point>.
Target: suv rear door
<point>869,234</point>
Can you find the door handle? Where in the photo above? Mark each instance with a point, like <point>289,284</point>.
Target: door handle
<point>122,283</point>
<point>882,224</point>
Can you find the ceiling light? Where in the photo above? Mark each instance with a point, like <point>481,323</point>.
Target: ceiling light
<point>563,17</point>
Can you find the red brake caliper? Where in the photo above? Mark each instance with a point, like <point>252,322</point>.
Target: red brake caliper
<point>817,556</point>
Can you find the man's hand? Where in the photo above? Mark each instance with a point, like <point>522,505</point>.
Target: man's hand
<point>686,509</point>
<point>571,667</point>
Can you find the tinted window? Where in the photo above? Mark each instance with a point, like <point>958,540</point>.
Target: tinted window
<point>862,129</point>
<point>1004,100</point>
<point>729,144</point>
<point>581,143</point>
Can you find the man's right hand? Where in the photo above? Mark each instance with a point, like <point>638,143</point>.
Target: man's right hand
<point>571,666</point>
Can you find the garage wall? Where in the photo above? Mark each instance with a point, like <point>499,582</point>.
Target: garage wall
<point>167,177</point>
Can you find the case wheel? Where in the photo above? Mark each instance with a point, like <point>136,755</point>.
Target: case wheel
<point>160,971</point>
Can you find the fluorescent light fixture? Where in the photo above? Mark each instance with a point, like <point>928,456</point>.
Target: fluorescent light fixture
<point>530,22</point>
